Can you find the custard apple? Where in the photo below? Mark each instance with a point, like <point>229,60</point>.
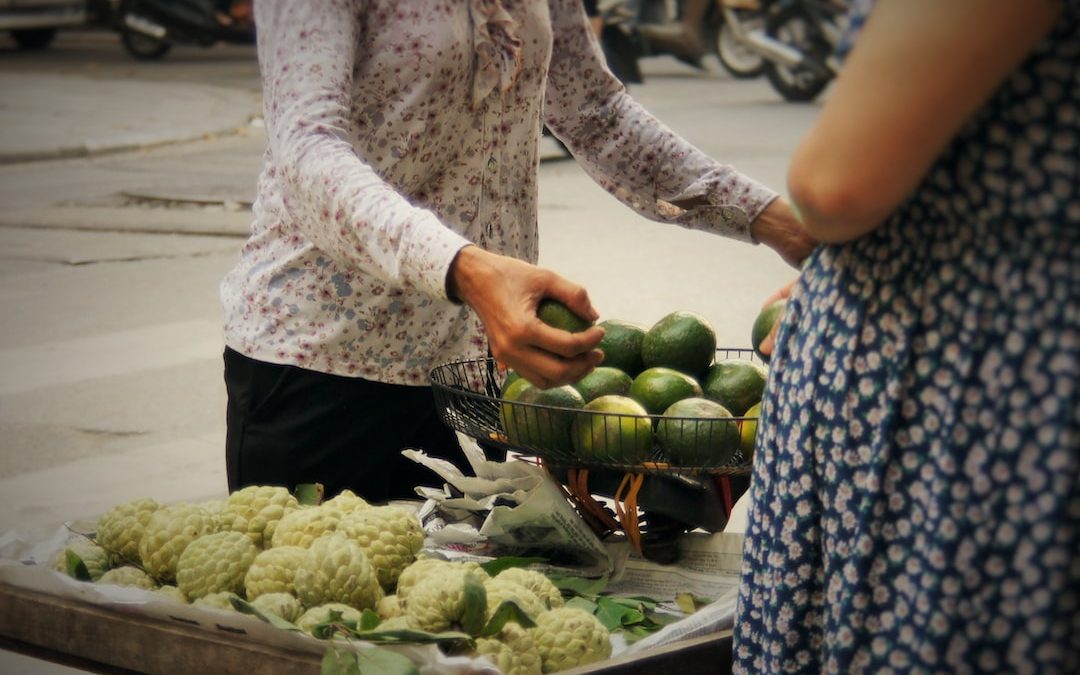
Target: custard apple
<point>499,590</point>
<point>304,525</point>
<point>323,613</point>
<point>389,607</point>
<point>568,637</point>
<point>128,575</point>
<point>439,602</point>
<point>97,560</point>
<point>425,567</point>
<point>168,533</point>
<point>261,507</point>
<point>224,518</point>
<point>218,600</point>
<point>334,569</point>
<point>346,501</point>
<point>273,571</point>
<point>120,528</point>
<point>512,650</point>
<point>279,604</point>
<point>172,592</point>
<point>215,562</point>
<point>390,537</point>
<point>536,582</point>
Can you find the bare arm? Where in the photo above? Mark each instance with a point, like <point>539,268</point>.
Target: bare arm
<point>919,70</point>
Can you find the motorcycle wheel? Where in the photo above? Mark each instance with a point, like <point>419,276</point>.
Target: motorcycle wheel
<point>144,47</point>
<point>738,60</point>
<point>795,27</point>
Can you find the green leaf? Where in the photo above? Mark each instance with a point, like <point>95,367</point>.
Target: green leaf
<point>75,566</point>
<point>336,662</point>
<point>508,610</point>
<point>581,585</point>
<point>493,567</point>
<point>309,494</point>
<point>413,636</point>
<point>474,606</point>
<point>612,614</point>
<point>582,603</point>
<point>635,601</point>
<point>376,661</point>
<point>369,620</point>
<point>690,603</point>
<point>245,607</point>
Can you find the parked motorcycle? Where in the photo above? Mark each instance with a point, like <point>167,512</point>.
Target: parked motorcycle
<point>689,30</point>
<point>150,28</point>
<point>798,40</point>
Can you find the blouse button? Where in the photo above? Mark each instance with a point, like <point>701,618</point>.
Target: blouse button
<point>492,165</point>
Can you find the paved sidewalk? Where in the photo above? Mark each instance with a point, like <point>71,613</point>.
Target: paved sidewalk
<point>57,116</point>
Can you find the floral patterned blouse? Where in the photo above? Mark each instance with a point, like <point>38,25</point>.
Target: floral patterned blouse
<point>400,131</point>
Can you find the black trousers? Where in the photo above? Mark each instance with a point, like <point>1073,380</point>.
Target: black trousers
<point>288,425</point>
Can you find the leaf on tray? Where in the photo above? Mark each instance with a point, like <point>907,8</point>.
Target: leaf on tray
<point>580,585</point>
<point>245,607</point>
<point>493,567</point>
<point>508,610</point>
<point>690,603</point>
<point>309,494</point>
<point>75,566</point>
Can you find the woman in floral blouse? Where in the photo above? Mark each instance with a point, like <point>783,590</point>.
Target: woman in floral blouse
<point>396,222</point>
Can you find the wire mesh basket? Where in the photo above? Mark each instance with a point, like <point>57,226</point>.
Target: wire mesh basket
<point>467,395</point>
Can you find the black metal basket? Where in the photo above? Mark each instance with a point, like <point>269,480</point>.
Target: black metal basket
<point>467,394</point>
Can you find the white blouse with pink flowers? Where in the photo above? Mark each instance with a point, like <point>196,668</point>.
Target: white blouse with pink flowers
<point>400,131</point>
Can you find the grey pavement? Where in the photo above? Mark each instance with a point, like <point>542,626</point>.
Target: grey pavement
<point>46,116</point>
<point>112,251</point>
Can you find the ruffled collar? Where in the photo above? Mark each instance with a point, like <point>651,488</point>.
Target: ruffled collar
<point>497,47</point>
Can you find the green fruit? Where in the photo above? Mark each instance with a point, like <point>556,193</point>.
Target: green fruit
<point>618,429</point>
<point>694,433</point>
<point>558,315</point>
<point>764,323</point>
<point>657,388</point>
<point>603,380</point>
<point>511,377</point>
<point>621,345</point>
<point>536,424</point>
<point>681,340</point>
<point>748,431</point>
<point>735,384</point>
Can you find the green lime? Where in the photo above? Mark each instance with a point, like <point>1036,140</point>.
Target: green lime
<point>681,340</point>
<point>764,323</point>
<point>735,384</point>
<point>748,431</point>
<point>532,421</point>
<point>621,345</point>
<point>698,432</point>
<point>558,315</point>
<point>603,380</point>
<point>657,388</point>
<point>614,429</point>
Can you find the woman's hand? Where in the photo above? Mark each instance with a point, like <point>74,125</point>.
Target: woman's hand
<point>505,293</point>
<point>778,228</point>
<point>769,343</point>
